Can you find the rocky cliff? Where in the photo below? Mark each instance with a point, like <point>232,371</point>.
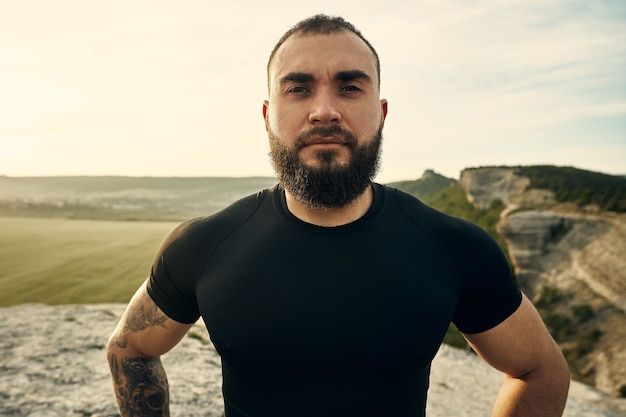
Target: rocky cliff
<point>570,261</point>
<point>53,365</point>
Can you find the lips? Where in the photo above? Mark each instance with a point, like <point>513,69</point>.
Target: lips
<point>333,135</point>
<point>328,140</point>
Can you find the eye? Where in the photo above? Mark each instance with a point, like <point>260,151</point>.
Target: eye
<point>298,89</point>
<point>350,89</point>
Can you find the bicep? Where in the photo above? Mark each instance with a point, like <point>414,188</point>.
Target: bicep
<point>145,329</point>
<point>518,345</point>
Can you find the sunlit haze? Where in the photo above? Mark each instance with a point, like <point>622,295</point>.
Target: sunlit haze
<point>163,88</point>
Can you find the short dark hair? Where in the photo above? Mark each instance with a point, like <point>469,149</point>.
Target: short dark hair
<point>323,25</point>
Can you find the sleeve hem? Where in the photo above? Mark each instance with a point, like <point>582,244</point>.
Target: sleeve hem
<point>171,312</point>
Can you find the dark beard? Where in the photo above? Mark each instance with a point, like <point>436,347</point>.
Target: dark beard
<point>330,185</point>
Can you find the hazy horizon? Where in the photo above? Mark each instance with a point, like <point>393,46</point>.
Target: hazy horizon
<point>160,89</point>
<point>623,174</point>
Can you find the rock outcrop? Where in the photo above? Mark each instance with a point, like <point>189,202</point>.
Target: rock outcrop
<point>531,231</point>
<point>577,256</point>
<point>53,365</point>
<point>483,185</point>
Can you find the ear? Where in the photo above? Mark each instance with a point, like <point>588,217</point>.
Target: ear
<point>383,108</point>
<point>266,112</point>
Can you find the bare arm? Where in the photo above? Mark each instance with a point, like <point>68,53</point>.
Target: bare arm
<point>537,376</point>
<point>133,351</point>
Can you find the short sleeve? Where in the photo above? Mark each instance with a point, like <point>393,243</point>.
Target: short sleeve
<point>180,259</point>
<point>489,293</point>
<point>172,278</point>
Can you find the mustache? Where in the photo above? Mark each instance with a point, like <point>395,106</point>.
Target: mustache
<point>303,138</point>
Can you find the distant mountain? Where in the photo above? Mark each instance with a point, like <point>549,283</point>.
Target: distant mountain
<point>566,185</point>
<point>427,186</point>
<point>179,198</point>
<point>124,198</point>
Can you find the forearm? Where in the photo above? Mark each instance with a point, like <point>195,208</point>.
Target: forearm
<point>140,384</point>
<point>532,397</point>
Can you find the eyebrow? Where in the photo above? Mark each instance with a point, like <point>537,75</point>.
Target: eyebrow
<point>297,77</point>
<point>353,75</point>
<point>342,76</point>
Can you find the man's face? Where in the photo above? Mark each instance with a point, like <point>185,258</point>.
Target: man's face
<point>324,116</point>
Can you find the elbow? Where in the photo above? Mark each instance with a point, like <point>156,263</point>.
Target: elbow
<point>113,347</point>
<point>552,374</point>
<point>116,341</point>
<point>120,345</point>
<point>558,378</point>
<point>562,372</point>
<point>559,368</point>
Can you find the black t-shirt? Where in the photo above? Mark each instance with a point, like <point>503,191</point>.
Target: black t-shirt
<point>332,321</point>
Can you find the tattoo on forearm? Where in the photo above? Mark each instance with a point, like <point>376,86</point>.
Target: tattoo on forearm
<point>141,386</point>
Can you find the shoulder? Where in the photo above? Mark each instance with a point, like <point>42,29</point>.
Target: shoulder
<point>489,293</point>
<point>193,238</point>
<point>471,250</point>
<point>183,252</point>
<point>222,221</point>
<point>442,227</point>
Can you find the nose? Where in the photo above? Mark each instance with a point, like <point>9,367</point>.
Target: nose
<point>324,109</point>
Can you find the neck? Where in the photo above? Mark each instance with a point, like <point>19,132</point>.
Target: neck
<point>331,217</point>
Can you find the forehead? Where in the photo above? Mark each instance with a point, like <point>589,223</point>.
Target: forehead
<point>319,54</point>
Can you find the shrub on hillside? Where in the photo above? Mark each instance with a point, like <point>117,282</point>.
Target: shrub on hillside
<point>578,186</point>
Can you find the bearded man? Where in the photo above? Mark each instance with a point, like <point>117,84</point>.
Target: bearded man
<point>330,294</point>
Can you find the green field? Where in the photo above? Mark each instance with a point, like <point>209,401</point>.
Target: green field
<point>62,261</point>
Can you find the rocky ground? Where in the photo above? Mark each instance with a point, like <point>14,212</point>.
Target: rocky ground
<point>53,365</point>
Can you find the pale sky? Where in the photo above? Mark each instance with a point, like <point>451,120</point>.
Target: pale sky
<point>175,88</point>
